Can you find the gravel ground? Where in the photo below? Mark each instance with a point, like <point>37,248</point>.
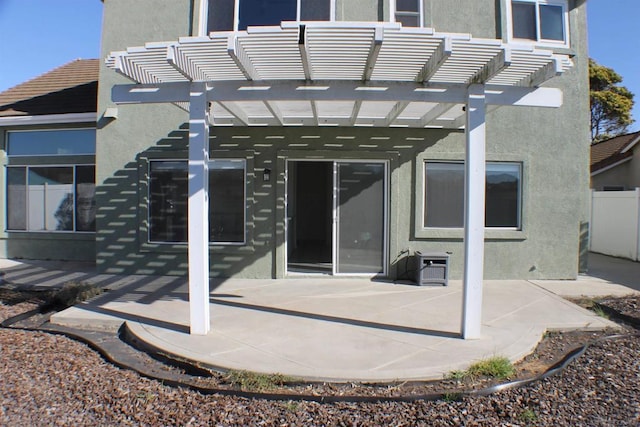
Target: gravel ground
<point>48,379</point>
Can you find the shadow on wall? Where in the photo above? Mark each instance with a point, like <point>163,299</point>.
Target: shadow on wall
<point>122,199</point>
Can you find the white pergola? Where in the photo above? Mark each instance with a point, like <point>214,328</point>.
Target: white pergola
<point>337,74</point>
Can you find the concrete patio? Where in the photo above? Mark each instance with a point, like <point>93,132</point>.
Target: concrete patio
<point>326,329</point>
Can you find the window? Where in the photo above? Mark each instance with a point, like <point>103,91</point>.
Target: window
<point>409,12</point>
<point>229,15</point>
<point>51,198</point>
<point>444,195</point>
<point>56,195</point>
<point>539,20</point>
<point>168,190</point>
<point>52,142</point>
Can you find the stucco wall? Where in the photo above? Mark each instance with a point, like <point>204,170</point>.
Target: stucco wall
<point>552,144</point>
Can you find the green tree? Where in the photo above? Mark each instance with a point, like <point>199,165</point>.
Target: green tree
<point>611,103</point>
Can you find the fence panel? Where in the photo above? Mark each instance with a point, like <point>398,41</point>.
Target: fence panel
<point>615,223</point>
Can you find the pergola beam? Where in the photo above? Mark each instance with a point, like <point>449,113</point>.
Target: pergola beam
<point>334,91</point>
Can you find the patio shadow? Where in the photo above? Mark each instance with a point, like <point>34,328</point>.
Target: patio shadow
<point>336,319</point>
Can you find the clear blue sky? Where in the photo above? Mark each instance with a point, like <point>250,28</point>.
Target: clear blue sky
<point>39,35</point>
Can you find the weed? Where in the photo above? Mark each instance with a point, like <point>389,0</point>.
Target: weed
<point>528,416</point>
<point>253,381</point>
<point>599,311</point>
<point>292,406</point>
<point>494,367</point>
<point>457,375</point>
<point>73,293</point>
<point>452,397</point>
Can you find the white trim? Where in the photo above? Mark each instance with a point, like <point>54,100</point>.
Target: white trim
<point>606,168</point>
<point>631,144</point>
<point>539,41</point>
<point>48,119</point>
<point>335,212</point>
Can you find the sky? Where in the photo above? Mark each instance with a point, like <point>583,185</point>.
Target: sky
<point>39,35</point>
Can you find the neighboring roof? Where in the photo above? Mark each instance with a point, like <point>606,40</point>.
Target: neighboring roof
<point>612,151</point>
<point>70,88</point>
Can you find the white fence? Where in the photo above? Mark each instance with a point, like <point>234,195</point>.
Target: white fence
<point>615,223</point>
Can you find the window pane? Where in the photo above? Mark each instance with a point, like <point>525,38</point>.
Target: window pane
<point>266,12</point>
<point>227,201</point>
<point>220,17</point>
<point>50,198</point>
<point>444,201</point>
<point>52,142</point>
<point>408,20</point>
<point>315,10</point>
<point>444,195</point>
<point>168,189</point>
<point>524,20</point>
<point>503,195</point>
<point>551,22</point>
<point>17,198</point>
<point>407,6</point>
<point>85,198</point>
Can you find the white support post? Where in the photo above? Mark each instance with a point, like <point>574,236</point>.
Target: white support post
<point>474,213</point>
<point>198,216</point>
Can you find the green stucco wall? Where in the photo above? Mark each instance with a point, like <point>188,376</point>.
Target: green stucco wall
<point>552,144</point>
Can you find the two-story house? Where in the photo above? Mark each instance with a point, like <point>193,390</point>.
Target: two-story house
<point>267,139</point>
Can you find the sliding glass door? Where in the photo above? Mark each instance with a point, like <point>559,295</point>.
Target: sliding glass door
<point>360,226</point>
<point>336,217</point>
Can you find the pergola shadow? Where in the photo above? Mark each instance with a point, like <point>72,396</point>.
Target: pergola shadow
<point>337,319</point>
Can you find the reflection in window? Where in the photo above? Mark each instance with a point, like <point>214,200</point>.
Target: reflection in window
<point>264,12</point>
<point>408,12</point>
<point>444,195</point>
<point>539,20</point>
<point>51,142</point>
<point>47,198</point>
<point>168,189</point>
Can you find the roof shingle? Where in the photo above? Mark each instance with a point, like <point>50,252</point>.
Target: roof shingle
<point>70,88</point>
<point>608,152</point>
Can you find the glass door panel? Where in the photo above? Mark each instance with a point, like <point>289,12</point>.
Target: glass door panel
<point>359,204</point>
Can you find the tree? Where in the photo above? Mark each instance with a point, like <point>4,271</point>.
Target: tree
<point>611,103</point>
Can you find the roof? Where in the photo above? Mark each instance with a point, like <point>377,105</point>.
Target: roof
<point>612,151</point>
<point>70,88</point>
<point>321,55</point>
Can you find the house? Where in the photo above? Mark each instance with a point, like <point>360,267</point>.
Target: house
<point>615,163</point>
<point>48,135</point>
<point>268,139</point>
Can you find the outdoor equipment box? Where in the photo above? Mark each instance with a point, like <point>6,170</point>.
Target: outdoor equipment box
<point>432,268</point>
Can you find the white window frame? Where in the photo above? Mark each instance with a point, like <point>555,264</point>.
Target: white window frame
<point>540,41</point>
<point>204,13</point>
<point>394,13</point>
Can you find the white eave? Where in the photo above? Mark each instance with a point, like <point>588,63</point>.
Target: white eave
<point>316,56</point>
<point>48,119</point>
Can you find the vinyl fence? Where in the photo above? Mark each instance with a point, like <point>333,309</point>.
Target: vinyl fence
<point>615,223</point>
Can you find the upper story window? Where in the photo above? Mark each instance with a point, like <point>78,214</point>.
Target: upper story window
<point>542,21</point>
<point>234,15</point>
<point>408,12</point>
<point>237,15</point>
